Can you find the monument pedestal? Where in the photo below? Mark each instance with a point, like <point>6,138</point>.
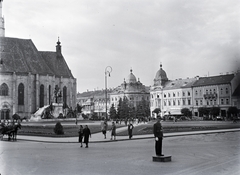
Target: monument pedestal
<point>162,158</point>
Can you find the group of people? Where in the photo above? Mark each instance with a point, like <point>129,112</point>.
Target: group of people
<point>104,128</point>
<point>157,131</point>
<point>84,133</point>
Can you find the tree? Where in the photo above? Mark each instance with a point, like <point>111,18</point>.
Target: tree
<point>79,108</point>
<point>203,111</point>
<point>143,108</point>
<point>113,112</point>
<point>232,111</point>
<point>186,112</point>
<point>157,111</point>
<point>58,129</point>
<point>214,111</point>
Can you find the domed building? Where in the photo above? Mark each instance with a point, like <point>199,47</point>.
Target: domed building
<point>132,89</point>
<point>161,77</point>
<point>28,77</point>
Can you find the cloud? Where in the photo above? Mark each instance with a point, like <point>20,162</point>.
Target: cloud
<point>189,37</point>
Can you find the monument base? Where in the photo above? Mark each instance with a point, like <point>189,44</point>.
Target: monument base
<point>162,158</point>
<point>57,109</point>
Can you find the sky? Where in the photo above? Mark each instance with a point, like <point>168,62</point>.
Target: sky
<point>189,37</point>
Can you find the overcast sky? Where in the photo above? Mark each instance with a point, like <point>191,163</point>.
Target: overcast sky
<point>189,37</point>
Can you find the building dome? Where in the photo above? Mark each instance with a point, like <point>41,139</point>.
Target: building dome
<point>161,77</point>
<point>131,78</point>
<point>161,74</point>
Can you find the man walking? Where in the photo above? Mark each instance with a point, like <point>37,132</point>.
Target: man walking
<point>86,133</point>
<point>158,134</point>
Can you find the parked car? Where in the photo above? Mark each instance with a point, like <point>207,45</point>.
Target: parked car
<point>219,118</point>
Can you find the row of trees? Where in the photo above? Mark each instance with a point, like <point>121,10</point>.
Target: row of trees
<point>204,111</point>
<point>126,109</point>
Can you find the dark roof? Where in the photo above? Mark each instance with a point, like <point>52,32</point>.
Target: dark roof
<point>21,56</point>
<point>214,80</point>
<point>179,83</point>
<point>237,92</point>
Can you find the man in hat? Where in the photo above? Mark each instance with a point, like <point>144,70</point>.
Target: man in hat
<point>158,134</point>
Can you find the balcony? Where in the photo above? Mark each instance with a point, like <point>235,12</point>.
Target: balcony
<point>210,96</point>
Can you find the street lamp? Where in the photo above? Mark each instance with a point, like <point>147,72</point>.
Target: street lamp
<point>108,70</point>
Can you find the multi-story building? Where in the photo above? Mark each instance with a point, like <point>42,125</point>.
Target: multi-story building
<point>216,91</point>
<point>94,102</point>
<point>28,77</point>
<point>173,95</point>
<point>132,89</point>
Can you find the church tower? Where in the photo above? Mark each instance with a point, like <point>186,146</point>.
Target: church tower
<point>2,29</point>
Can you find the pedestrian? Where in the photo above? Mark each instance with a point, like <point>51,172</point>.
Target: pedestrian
<point>158,134</point>
<point>130,129</point>
<point>113,134</point>
<point>76,121</point>
<point>80,135</point>
<point>104,128</point>
<point>87,134</point>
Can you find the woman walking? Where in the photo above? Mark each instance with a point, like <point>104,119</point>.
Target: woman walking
<point>80,134</point>
<point>86,133</point>
<point>113,131</point>
<point>130,129</point>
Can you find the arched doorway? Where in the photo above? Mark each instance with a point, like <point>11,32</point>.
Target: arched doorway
<point>5,111</point>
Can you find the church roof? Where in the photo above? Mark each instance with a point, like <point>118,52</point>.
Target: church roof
<point>179,83</point>
<point>21,56</point>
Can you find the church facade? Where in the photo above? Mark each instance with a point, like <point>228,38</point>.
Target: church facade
<point>28,77</point>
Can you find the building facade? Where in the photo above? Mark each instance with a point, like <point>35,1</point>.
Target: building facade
<point>173,95</point>
<point>28,77</point>
<point>132,89</point>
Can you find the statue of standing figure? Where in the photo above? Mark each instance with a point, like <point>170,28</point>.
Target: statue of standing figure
<point>57,94</point>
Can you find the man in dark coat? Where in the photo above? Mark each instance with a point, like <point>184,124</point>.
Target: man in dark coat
<point>86,133</point>
<point>130,129</point>
<point>158,134</point>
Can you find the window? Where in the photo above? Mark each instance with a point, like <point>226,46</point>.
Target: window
<point>174,103</point>
<point>65,94</point>
<point>165,103</point>
<point>169,95</point>
<point>207,102</point>
<point>221,91</point>
<point>201,102</point>
<point>4,90</point>
<point>222,102</point>
<point>165,95</point>
<point>174,95</point>
<point>184,102</point>
<point>196,102</point>
<point>206,91</point>
<point>227,101</point>
<point>200,92</point>
<point>20,94</point>
<point>210,91</point>
<point>41,96</point>
<point>178,102</point>
<point>196,92</point>
<point>49,94</point>
<point>189,102</point>
<point>183,93</point>
<point>169,103</point>
<point>189,93</point>
<point>226,90</point>
<point>215,102</point>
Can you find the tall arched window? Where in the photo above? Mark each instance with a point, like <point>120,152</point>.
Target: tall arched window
<point>4,90</point>
<point>64,95</point>
<point>20,94</point>
<point>41,96</point>
<point>49,94</point>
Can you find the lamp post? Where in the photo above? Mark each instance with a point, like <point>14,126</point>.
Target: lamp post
<point>108,70</point>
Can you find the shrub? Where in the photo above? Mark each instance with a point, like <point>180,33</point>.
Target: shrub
<point>58,129</point>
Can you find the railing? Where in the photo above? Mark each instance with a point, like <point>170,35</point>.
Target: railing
<point>210,96</point>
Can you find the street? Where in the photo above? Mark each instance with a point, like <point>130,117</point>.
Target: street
<point>197,154</point>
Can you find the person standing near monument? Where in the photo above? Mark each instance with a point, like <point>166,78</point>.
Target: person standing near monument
<point>87,134</point>
<point>158,134</point>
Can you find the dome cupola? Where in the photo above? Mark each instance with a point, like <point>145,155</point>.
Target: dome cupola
<point>161,77</point>
<point>131,78</point>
